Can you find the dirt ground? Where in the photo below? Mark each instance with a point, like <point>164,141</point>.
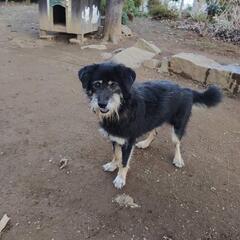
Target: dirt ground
<point>44,117</point>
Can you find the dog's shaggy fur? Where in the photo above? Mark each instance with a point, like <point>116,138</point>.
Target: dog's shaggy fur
<point>126,111</point>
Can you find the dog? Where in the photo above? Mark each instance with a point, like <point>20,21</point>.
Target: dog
<point>128,110</point>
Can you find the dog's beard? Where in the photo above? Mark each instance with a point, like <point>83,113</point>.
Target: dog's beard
<point>112,106</point>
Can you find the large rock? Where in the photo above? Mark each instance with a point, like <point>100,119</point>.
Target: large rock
<point>132,57</point>
<point>152,63</point>
<point>145,45</point>
<point>206,71</point>
<point>136,55</point>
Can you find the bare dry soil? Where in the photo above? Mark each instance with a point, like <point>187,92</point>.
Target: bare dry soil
<point>44,117</point>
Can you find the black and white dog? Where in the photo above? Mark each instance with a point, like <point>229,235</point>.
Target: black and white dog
<point>126,111</point>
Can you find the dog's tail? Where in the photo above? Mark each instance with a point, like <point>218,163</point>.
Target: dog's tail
<point>209,98</point>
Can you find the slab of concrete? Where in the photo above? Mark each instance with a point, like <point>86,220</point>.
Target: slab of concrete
<point>93,46</point>
<point>152,63</point>
<point>133,57</point>
<point>206,71</point>
<point>147,46</point>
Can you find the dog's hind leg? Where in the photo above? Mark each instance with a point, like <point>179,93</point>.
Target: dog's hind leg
<point>117,157</point>
<point>179,123</point>
<point>177,161</point>
<point>145,143</point>
<point>127,150</point>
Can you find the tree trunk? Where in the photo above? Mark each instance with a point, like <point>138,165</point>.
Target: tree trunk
<point>113,20</point>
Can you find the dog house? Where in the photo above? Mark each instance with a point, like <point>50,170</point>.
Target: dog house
<point>69,16</point>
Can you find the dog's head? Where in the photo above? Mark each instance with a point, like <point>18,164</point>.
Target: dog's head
<point>107,85</point>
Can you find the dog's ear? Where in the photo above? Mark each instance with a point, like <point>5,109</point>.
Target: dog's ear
<point>127,76</point>
<point>84,74</point>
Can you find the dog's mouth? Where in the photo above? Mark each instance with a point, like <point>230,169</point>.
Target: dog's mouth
<point>104,110</point>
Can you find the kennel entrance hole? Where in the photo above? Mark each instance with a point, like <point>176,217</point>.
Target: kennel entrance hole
<point>59,15</point>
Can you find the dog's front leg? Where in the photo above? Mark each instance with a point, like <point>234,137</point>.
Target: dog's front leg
<point>126,153</point>
<point>117,157</point>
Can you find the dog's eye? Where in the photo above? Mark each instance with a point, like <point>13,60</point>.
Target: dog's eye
<point>97,84</point>
<point>112,84</point>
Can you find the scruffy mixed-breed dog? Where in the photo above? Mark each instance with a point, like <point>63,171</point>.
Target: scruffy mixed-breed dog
<point>126,110</point>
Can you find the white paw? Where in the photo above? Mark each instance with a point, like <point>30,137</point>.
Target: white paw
<point>178,162</point>
<point>142,145</point>
<point>119,182</point>
<point>109,167</point>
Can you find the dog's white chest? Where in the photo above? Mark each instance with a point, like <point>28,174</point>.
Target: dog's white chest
<point>118,140</point>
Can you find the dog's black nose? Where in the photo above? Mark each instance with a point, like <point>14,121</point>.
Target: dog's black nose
<point>102,105</point>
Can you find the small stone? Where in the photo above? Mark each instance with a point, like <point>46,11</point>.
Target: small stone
<point>75,41</point>
<point>213,189</point>
<point>47,37</point>
<point>98,47</point>
<point>3,222</point>
<point>166,238</point>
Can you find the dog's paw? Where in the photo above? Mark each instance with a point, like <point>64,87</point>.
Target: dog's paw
<point>109,167</point>
<point>142,145</point>
<point>179,163</point>
<point>119,182</point>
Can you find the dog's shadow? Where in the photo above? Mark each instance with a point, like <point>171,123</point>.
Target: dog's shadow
<point>156,154</point>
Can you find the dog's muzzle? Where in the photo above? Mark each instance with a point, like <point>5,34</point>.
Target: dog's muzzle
<point>103,107</point>
<point>103,110</point>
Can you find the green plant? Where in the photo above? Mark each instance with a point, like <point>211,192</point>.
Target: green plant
<point>124,18</point>
<point>153,3</point>
<point>161,11</point>
<point>201,17</point>
<point>103,4</point>
<point>214,9</point>
<point>137,3</point>
<point>130,10</point>
<point>129,7</point>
